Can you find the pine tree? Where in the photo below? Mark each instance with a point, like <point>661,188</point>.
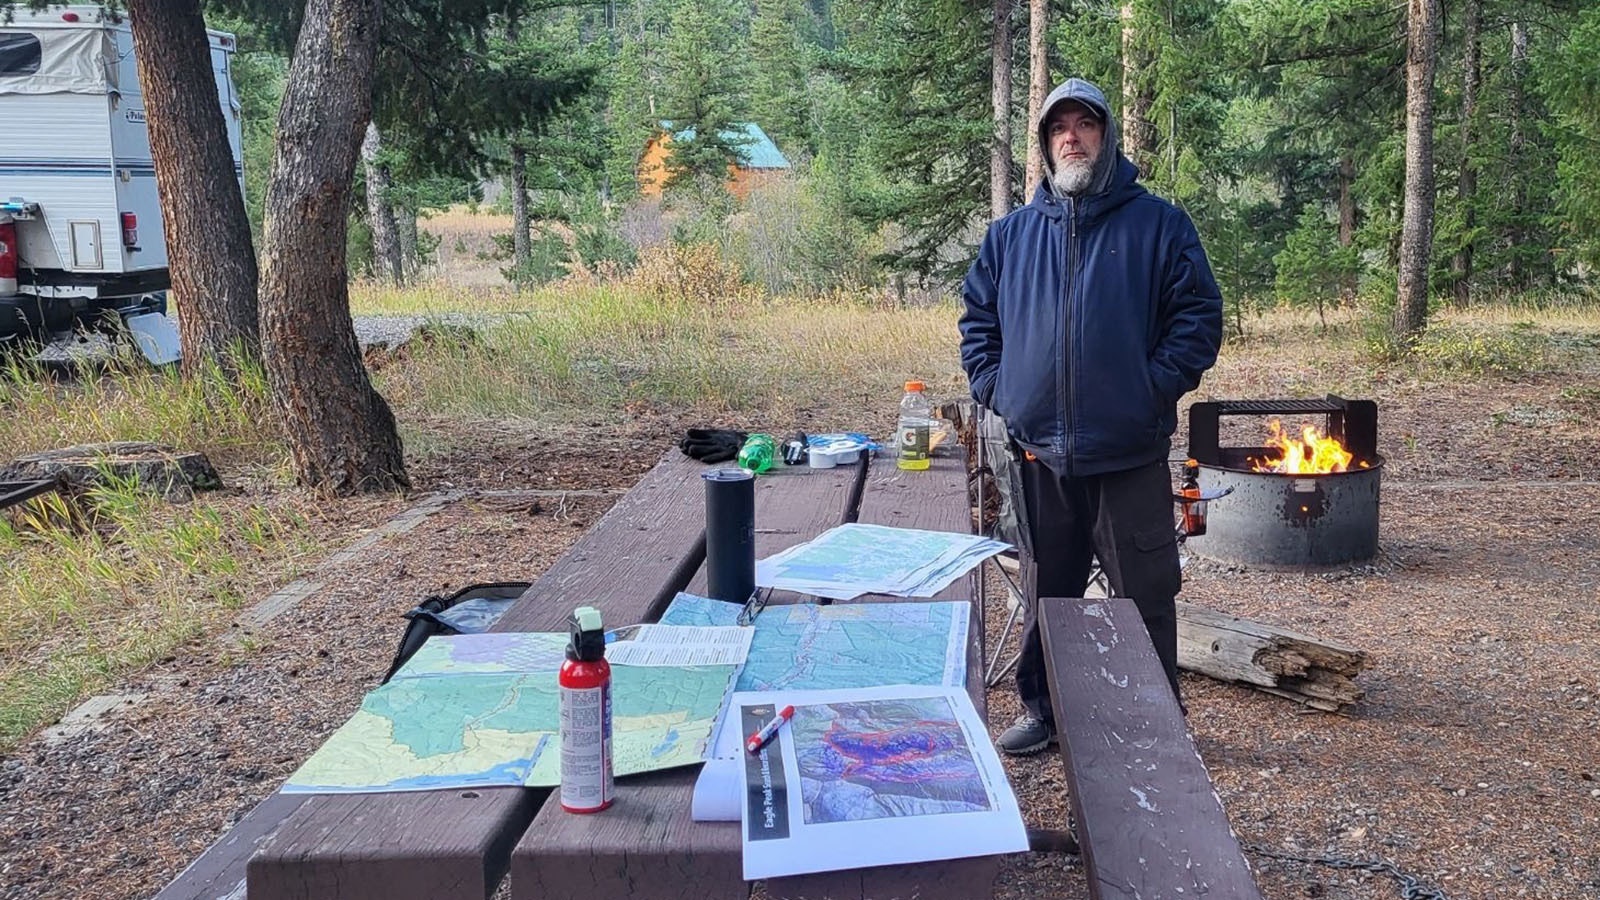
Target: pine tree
<point>1416,235</point>
<point>702,91</point>
<point>781,73</point>
<point>921,68</point>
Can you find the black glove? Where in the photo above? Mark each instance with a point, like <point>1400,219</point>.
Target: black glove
<point>712,445</point>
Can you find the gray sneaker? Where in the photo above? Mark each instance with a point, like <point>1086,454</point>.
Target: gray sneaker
<point>1028,736</point>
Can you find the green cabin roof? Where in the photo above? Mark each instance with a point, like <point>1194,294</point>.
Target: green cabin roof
<point>756,150</point>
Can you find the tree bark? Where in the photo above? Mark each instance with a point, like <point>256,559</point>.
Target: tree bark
<point>207,231</point>
<point>1467,183</point>
<point>1138,134</point>
<point>1000,149</point>
<point>521,219</point>
<point>1038,87</point>
<point>1416,228</point>
<point>1519,143</point>
<point>386,259</point>
<point>1347,217</point>
<point>341,433</point>
<point>405,220</point>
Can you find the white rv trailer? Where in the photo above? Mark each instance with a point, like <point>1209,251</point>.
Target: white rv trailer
<point>81,241</point>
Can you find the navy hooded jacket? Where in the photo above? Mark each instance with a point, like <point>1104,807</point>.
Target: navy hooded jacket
<point>1087,318</point>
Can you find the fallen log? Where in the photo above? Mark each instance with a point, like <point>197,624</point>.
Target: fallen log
<point>1305,669</point>
<point>173,474</point>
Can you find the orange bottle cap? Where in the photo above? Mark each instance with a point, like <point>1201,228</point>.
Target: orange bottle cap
<point>914,385</point>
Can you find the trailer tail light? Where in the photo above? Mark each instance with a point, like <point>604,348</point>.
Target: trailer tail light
<point>69,17</point>
<point>130,230</point>
<point>8,255</point>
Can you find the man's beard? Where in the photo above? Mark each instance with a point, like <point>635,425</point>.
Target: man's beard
<point>1073,176</point>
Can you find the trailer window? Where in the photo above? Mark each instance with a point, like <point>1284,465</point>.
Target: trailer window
<point>19,54</point>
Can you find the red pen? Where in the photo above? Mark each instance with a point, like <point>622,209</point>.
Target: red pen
<point>758,740</point>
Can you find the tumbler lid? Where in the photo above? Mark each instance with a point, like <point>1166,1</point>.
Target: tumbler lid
<point>730,474</point>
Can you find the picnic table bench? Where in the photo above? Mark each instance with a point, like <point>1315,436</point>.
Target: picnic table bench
<point>1150,823</point>
<point>459,843</point>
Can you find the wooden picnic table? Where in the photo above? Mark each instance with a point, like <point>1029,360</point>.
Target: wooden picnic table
<point>646,846</point>
<point>459,844</point>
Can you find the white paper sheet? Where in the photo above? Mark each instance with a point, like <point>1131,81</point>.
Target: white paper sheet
<point>854,559</point>
<point>671,645</point>
<point>871,777</point>
<point>717,791</point>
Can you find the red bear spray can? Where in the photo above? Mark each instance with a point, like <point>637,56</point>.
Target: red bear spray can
<point>586,717</point>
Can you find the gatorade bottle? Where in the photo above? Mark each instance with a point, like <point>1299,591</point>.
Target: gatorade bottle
<point>916,414</point>
<point>758,453</point>
<point>585,682</point>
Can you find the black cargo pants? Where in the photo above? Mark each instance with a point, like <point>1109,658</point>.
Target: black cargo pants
<point>1126,519</point>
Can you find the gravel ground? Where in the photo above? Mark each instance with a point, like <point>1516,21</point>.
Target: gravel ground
<point>1471,763</point>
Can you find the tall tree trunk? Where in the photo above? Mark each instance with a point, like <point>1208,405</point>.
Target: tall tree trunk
<point>521,220</point>
<point>1138,134</point>
<point>1467,183</point>
<point>340,432</point>
<point>405,222</point>
<point>1416,228</point>
<point>1347,218</point>
<point>386,259</point>
<point>1000,95</point>
<point>1038,87</point>
<point>209,253</point>
<point>1519,144</point>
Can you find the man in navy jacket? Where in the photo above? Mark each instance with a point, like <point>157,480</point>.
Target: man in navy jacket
<point>1089,312</point>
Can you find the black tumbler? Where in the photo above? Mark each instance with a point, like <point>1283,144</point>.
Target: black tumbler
<point>730,534</point>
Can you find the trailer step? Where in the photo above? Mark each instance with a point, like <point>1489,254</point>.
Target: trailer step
<point>14,492</point>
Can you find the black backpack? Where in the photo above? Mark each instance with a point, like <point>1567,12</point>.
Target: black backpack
<point>434,616</point>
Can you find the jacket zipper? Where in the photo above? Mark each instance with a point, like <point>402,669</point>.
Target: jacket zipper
<point>1069,385</point>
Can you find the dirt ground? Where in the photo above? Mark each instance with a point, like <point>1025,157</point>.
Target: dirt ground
<point>1471,764</point>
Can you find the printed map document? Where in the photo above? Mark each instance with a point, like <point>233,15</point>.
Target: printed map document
<point>849,560</point>
<point>872,777</point>
<point>807,646</point>
<point>483,710</point>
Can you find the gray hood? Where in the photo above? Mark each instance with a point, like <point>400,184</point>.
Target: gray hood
<point>1111,146</point>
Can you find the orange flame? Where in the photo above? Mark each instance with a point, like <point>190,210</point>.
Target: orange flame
<point>1311,454</point>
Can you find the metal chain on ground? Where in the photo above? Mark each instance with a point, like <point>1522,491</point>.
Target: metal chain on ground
<point>1411,887</point>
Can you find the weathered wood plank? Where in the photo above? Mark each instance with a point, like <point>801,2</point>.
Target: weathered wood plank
<point>646,846</point>
<point>934,499</point>
<point>442,844</point>
<point>1149,820</point>
<point>219,873</point>
<point>632,561</point>
<point>436,844</point>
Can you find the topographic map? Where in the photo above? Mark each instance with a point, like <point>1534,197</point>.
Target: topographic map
<point>483,710</point>
<point>878,758</point>
<point>807,646</point>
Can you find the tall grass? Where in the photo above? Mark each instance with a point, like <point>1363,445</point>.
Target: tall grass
<point>573,355</point>
<point>698,341</point>
<point>93,587</point>
<point>132,402</point>
<point>97,587</point>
